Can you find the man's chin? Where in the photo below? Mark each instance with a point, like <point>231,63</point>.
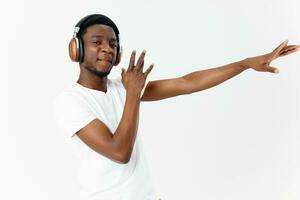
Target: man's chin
<point>104,63</point>
<point>99,73</point>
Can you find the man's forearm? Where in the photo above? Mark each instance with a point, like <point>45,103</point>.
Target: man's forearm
<point>204,79</point>
<point>125,134</point>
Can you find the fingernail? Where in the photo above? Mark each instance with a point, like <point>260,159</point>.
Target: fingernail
<point>276,71</point>
<point>144,51</point>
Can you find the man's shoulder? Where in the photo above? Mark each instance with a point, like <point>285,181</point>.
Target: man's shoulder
<point>116,81</point>
<point>69,93</point>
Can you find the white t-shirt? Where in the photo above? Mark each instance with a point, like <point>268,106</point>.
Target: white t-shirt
<point>99,177</point>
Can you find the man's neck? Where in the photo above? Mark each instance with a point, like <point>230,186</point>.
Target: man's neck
<point>93,82</point>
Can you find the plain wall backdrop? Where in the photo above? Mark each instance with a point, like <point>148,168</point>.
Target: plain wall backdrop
<point>238,140</point>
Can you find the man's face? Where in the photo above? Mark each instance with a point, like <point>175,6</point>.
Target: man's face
<point>100,48</point>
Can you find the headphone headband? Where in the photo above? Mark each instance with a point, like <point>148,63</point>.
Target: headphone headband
<point>95,19</point>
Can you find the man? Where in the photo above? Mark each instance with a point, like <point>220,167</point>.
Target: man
<point>100,115</point>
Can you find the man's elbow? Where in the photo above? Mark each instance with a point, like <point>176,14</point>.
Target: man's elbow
<point>185,86</point>
<point>122,158</point>
<point>125,160</point>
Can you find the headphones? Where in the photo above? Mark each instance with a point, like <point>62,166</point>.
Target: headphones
<point>76,49</point>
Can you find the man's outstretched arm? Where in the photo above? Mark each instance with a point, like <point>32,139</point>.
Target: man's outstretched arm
<point>204,79</point>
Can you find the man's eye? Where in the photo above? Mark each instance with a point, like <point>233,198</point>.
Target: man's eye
<point>97,42</point>
<point>114,45</point>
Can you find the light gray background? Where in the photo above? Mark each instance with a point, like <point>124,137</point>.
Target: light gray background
<point>238,140</point>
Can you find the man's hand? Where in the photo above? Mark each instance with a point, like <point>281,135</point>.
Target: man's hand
<point>134,78</point>
<point>262,63</point>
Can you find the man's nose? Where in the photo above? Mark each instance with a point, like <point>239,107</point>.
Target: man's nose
<point>105,47</point>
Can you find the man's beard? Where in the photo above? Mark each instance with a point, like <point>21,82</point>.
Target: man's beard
<point>98,73</point>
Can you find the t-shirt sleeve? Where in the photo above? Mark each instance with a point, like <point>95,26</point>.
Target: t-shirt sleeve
<point>71,113</point>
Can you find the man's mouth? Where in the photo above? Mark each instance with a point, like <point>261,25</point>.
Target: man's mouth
<point>104,60</point>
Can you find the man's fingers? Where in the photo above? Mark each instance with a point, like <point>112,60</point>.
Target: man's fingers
<point>140,61</point>
<point>288,51</point>
<point>123,71</point>
<point>132,60</point>
<point>281,46</point>
<point>278,49</point>
<point>141,67</point>
<point>289,47</point>
<point>148,70</point>
<point>272,70</point>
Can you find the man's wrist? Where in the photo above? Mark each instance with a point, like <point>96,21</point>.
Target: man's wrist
<point>133,93</point>
<point>244,64</point>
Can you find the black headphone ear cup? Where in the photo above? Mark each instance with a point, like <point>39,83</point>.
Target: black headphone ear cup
<point>73,49</point>
<point>80,49</point>
<point>118,59</point>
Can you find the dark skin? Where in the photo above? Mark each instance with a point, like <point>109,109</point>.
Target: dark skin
<point>100,54</point>
<point>100,50</point>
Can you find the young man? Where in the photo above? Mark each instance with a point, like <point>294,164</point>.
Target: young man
<point>100,116</point>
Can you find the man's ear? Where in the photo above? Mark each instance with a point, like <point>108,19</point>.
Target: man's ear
<point>118,59</point>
